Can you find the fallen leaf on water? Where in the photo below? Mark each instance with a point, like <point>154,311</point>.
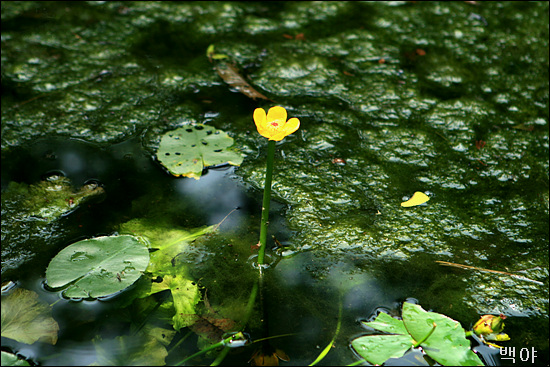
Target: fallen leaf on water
<point>417,199</point>
<point>231,76</point>
<point>27,319</point>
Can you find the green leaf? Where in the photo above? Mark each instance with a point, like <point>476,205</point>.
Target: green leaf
<point>187,150</point>
<point>170,242</point>
<point>448,344</point>
<point>10,359</point>
<point>219,56</point>
<point>186,296</point>
<point>377,349</point>
<point>99,266</point>
<point>385,322</point>
<point>26,319</point>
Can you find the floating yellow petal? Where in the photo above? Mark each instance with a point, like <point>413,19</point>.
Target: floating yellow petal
<point>417,199</point>
<point>274,125</point>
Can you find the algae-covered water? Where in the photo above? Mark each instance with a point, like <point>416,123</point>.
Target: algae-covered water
<point>446,98</point>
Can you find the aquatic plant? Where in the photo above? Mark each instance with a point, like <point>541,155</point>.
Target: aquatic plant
<point>440,337</point>
<point>188,150</point>
<point>275,127</point>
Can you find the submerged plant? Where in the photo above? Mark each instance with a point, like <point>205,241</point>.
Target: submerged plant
<point>275,127</point>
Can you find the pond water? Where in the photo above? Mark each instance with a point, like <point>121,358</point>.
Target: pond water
<point>450,99</point>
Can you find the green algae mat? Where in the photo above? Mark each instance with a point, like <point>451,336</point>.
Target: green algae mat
<point>447,99</point>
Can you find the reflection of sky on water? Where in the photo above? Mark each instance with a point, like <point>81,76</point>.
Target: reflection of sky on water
<point>215,195</point>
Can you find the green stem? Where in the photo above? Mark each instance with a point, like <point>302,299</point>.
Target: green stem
<point>261,252</point>
<point>213,346</point>
<point>266,201</point>
<point>250,305</point>
<point>426,337</point>
<point>220,357</point>
<point>329,346</point>
<point>357,363</point>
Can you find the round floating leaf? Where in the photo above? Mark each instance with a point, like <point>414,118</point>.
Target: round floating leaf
<point>99,266</point>
<point>187,150</point>
<point>417,199</point>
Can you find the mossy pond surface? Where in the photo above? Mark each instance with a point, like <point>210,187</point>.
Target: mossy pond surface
<point>446,98</point>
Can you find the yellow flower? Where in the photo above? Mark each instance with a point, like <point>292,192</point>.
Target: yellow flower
<point>489,324</point>
<point>274,125</point>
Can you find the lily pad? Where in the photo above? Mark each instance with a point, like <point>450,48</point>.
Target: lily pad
<point>187,150</point>
<point>26,319</point>
<point>99,266</point>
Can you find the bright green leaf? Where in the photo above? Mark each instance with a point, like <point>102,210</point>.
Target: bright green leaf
<point>187,150</point>
<point>10,359</point>
<point>26,319</point>
<point>99,266</point>
<point>167,240</point>
<point>219,56</point>
<point>448,344</point>
<point>377,349</point>
<point>170,242</point>
<point>186,296</point>
<point>385,322</point>
<point>210,51</point>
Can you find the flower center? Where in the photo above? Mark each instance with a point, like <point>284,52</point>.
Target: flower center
<point>274,124</point>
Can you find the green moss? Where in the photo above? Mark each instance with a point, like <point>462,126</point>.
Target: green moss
<point>48,199</point>
<point>447,98</point>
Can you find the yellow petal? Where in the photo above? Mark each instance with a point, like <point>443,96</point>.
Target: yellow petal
<point>292,125</point>
<point>259,117</point>
<point>288,128</point>
<point>417,199</point>
<point>276,114</point>
<point>261,122</point>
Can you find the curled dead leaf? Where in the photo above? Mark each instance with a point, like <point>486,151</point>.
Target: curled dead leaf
<point>231,76</point>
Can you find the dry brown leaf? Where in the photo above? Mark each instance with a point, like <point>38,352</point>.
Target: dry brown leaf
<point>231,76</point>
